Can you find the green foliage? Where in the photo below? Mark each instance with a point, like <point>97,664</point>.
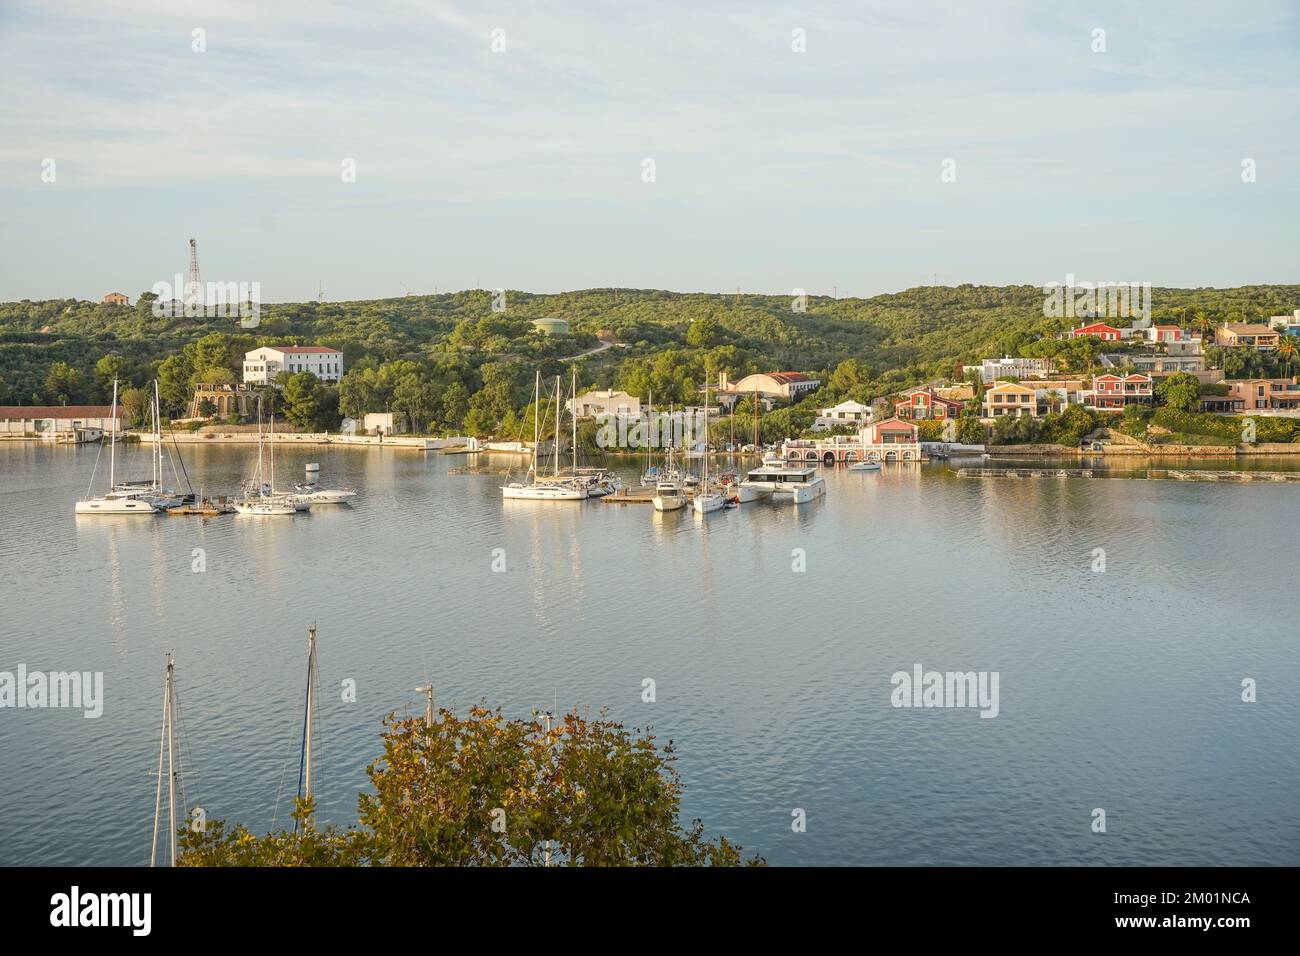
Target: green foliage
<point>486,791</point>
<point>1181,392</point>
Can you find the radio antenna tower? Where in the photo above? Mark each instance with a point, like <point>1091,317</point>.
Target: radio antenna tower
<point>193,287</point>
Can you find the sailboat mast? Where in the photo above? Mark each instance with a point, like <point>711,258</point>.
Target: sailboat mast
<point>162,749</point>
<point>537,419</point>
<point>573,397</point>
<point>112,445</point>
<point>171,765</point>
<point>557,426</point>
<point>157,438</point>
<point>304,765</point>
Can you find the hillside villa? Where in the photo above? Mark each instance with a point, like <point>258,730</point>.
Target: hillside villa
<point>771,388</point>
<point>1246,335</point>
<point>925,404</point>
<point>261,366</point>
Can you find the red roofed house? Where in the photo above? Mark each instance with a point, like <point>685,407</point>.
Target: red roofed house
<point>769,387</point>
<point>924,404</point>
<point>261,366</point>
<point>1100,330</point>
<point>892,431</point>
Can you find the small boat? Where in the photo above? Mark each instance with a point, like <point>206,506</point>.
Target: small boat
<point>668,496</point>
<point>865,466</point>
<point>324,496</point>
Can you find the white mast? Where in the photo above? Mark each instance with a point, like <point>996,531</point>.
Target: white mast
<point>537,420</point>
<point>165,745</point>
<point>574,399</point>
<point>304,767</point>
<point>112,445</point>
<point>557,426</point>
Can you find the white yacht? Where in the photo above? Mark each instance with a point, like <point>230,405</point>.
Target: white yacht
<point>786,482</point>
<point>323,496</point>
<point>113,502</point>
<point>668,496</point>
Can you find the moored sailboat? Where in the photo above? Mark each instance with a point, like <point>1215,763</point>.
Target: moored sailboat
<point>113,502</point>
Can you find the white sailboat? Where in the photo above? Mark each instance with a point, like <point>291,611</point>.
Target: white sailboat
<point>152,490</point>
<point>535,488</point>
<point>257,496</point>
<point>113,502</point>
<point>708,499</point>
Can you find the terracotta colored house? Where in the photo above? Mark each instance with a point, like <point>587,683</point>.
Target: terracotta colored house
<point>1107,333</point>
<point>925,404</point>
<point>1113,392</point>
<point>1250,394</point>
<point>116,298</point>
<point>892,431</point>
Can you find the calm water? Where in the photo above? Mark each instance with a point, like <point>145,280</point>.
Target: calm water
<point>1118,690</point>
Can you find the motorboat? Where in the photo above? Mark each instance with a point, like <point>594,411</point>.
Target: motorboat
<point>669,496</point>
<point>865,466</point>
<point>323,496</point>
<point>786,482</point>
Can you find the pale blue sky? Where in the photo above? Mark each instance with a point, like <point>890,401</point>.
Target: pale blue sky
<point>523,168</point>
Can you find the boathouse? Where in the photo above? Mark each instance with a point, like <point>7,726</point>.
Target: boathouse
<point>890,440</point>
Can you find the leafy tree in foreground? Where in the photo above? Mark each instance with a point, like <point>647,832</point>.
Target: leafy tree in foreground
<point>483,790</point>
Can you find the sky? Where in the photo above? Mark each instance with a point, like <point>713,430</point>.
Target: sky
<point>906,144</point>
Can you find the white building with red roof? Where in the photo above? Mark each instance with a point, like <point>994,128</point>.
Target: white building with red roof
<point>261,366</point>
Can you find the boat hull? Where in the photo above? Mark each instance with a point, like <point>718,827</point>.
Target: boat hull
<point>115,506</point>
<point>708,503</point>
<point>542,493</point>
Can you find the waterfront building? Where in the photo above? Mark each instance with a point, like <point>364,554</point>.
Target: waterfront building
<point>926,404</point>
<point>75,422</point>
<point>1010,398</point>
<point>604,402</point>
<point>845,413</point>
<point>1246,335</point>
<point>890,440</point>
<point>376,423</point>
<point>261,366</point>
<point>227,400</point>
<point>771,388</point>
<point>1112,392</point>
<point>1254,394</point>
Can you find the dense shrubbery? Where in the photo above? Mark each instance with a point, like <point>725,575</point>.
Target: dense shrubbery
<point>448,362</point>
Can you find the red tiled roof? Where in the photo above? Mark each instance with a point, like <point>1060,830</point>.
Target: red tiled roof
<point>56,411</point>
<point>786,378</point>
<point>300,349</point>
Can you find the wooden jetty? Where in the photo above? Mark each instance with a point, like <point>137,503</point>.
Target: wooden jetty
<point>639,496</point>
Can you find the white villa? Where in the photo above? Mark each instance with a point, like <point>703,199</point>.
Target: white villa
<point>1006,367</point>
<point>261,366</point>
<point>845,413</point>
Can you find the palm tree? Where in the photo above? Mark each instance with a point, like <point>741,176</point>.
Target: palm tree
<point>1203,324</point>
<point>1286,351</point>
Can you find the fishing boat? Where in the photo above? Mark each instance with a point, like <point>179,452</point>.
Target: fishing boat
<point>792,482</point>
<point>708,499</point>
<point>533,487</point>
<point>113,502</point>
